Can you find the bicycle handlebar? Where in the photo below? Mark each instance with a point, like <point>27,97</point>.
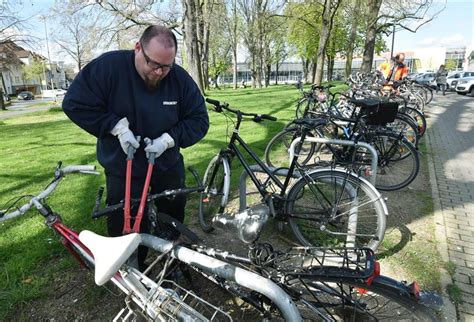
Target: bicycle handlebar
<point>256,117</point>
<point>58,175</point>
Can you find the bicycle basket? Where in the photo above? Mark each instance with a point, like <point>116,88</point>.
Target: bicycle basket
<point>377,112</point>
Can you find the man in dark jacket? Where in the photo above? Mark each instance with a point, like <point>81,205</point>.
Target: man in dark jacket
<point>142,92</point>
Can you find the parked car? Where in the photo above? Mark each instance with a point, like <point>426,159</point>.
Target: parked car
<point>453,79</point>
<point>26,96</point>
<point>6,98</point>
<point>427,79</point>
<point>60,92</point>
<point>465,85</point>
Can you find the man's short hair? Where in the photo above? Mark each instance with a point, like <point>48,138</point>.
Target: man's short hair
<point>167,36</point>
<point>398,56</point>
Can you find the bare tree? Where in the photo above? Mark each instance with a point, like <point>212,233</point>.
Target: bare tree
<point>77,38</point>
<point>256,16</point>
<point>13,23</point>
<point>404,14</point>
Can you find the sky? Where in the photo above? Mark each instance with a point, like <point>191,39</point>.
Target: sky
<point>453,27</point>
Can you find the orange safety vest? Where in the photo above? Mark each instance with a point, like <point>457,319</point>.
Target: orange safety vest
<point>400,73</point>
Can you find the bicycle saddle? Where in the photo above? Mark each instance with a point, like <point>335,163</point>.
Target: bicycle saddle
<point>110,253</point>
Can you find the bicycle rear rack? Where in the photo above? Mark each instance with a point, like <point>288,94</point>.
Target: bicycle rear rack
<point>313,262</point>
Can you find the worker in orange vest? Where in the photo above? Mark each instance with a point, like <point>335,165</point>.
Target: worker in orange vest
<point>399,70</point>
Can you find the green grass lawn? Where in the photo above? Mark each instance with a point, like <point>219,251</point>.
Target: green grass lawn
<point>34,143</point>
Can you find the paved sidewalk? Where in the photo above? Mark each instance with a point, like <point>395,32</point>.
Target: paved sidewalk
<point>21,111</point>
<point>451,135</point>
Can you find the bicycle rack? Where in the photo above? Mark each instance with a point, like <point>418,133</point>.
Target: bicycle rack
<point>372,151</point>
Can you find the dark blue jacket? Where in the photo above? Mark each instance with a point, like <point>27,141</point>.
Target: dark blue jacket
<point>109,88</point>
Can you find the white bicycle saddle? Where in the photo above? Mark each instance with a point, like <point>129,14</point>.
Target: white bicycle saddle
<point>110,253</point>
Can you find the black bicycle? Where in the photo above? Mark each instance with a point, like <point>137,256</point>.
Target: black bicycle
<point>324,207</point>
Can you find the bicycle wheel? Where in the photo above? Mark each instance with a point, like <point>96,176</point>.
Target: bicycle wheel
<point>418,117</point>
<point>406,125</point>
<point>302,107</point>
<point>398,161</point>
<point>216,191</point>
<point>383,300</point>
<point>276,151</point>
<point>336,208</point>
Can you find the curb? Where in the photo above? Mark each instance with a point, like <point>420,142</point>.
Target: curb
<point>449,310</point>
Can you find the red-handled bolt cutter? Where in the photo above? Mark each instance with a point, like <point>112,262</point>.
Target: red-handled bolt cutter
<point>128,181</point>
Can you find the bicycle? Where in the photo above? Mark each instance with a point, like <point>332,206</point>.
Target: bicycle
<point>398,161</point>
<point>156,300</point>
<point>330,206</point>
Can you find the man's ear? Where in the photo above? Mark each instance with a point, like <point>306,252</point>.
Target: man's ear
<point>137,47</point>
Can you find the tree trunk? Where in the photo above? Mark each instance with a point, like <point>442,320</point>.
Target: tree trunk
<point>352,37</point>
<point>305,63</point>
<point>190,36</point>
<point>200,32</point>
<point>330,67</point>
<point>235,42</point>
<point>308,64</point>
<point>314,65</point>
<point>234,61</point>
<point>267,75</point>
<point>276,73</point>
<point>330,8</point>
<point>253,71</point>
<point>369,46</point>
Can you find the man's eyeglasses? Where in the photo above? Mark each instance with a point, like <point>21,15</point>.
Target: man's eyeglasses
<point>153,64</point>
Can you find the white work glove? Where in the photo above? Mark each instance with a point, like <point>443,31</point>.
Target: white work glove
<point>158,145</point>
<point>125,136</point>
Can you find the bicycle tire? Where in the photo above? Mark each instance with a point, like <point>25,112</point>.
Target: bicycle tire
<point>398,161</point>
<point>419,119</point>
<point>354,300</point>
<point>215,196</point>
<point>302,107</point>
<point>340,201</point>
<point>276,152</point>
<point>407,125</point>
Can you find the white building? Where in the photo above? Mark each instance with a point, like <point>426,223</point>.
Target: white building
<point>14,58</point>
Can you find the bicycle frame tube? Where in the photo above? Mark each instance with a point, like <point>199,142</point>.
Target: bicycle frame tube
<point>68,238</point>
<point>246,165</point>
<point>233,148</point>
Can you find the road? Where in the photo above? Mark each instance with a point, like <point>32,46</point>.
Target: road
<point>24,107</point>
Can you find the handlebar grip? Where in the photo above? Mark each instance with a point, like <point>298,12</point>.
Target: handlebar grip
<point>268,117</point>
<point>213,102</point>
<point>77,168</point>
